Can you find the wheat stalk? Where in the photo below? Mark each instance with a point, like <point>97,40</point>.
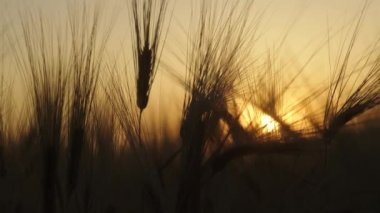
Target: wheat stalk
<point>147,21</point>
<point>216,58</point>
<point>45,67</point>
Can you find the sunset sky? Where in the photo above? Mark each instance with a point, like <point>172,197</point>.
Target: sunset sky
<point>304,22</point>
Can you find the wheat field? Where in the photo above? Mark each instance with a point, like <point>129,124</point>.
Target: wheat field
<point>189,106</point>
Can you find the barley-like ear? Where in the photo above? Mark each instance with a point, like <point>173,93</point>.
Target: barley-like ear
<point>87,59</point>
<point>216,57</point>
<point>147,21</point>
<point>364,97</point>
<point>352,91</point>
<point>41,57</point>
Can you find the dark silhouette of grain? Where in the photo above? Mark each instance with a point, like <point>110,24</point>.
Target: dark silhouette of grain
<point>87,60</point>
<point>80,143</point>
<point>363,94</point>
<point>44,68</point>
<point>148,20</point>
<point>215,61</point>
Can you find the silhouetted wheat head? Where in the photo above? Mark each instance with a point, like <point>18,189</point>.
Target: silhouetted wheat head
<point>352,91</point>
<point>147,21</point>
<point>41,59</point>
<point>216,57</point>
<point>87,60</point>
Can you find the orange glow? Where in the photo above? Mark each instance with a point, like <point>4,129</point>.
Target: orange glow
<point>252,117</point>
<point>268,124</point>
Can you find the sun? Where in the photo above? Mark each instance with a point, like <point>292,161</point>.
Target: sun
<point>253,117</point>
<point>268,124</point>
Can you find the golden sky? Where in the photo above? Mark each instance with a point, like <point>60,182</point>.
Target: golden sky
<point>305,22</point>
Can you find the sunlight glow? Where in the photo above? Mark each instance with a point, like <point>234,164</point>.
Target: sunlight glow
<point>269,125</point>
<point>254,118</point>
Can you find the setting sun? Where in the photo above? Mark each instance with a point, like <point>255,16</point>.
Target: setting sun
<point>268,124</point>
<point>252,117</point>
